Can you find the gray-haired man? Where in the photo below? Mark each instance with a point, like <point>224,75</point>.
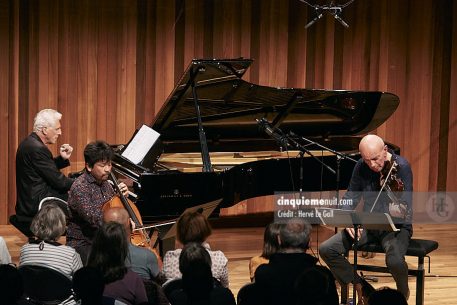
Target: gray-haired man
<point>37,172</point>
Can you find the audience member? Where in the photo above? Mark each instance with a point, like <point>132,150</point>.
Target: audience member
<point>316,286</point>
<point>108,254</point>
<point>270,246</point>
<point>198,285</point>
<point>140,259</point>
<point>194,227</point>
<point>47,227</point>
<point>386,295</point>
<point>5,257</point>
<point>276,279</point>
<point>11,286</point>
<point>88,286</point>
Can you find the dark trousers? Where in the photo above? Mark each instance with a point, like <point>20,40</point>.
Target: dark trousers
<point>83,252</point>
<point>394,244</point>
<point>22,224</point>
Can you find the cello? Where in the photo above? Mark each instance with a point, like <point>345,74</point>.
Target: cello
<point>139,237</point>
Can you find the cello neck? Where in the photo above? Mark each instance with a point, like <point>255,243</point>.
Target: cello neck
<point>125,202</point>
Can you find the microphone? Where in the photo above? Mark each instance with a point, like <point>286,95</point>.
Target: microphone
<point>337,17</point>
<point>318,16</point>
<point>272,132</point>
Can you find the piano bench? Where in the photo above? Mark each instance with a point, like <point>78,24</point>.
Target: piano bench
<point>419,248</point>
<point>22,225</point>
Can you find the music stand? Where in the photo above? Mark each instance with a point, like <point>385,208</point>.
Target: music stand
<point>349,218</point>
<point>167,231</point>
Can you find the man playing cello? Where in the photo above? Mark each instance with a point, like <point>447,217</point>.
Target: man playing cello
<point>88,194</point>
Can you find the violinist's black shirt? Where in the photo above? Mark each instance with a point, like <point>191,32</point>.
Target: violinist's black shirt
<point>365,184</point>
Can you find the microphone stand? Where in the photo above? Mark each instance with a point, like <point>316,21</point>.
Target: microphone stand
<point>356,222</point>
<point>303,149</point>
<point>311,142</point>
<point>339,156</point>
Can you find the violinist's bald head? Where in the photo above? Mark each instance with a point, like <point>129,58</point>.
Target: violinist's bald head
<point>371,143</point>
<point>118,215</point>
<point>374,152</point>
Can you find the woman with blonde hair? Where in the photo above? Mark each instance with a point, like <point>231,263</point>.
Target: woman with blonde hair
<point>270,246</point>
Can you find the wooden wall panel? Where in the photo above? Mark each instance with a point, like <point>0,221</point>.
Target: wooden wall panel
<point>5,20</point>
<point>109,65</point>
<point>451,184</point>
<point>149,101</point>
<point>297,42</point>
<point>13,120</point>
<point>165,56</point>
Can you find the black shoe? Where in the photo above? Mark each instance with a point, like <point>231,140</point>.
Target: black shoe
<point>367,288</point>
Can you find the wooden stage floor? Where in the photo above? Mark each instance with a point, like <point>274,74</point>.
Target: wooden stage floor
<point>240,244</point>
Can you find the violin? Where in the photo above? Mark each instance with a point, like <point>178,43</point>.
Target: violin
<point>393,185</point>
<point>139,237</point>
<point>389,177</point>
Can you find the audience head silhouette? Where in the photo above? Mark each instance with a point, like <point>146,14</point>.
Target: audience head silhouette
<point>294,235</point>
<point>195,266</point>
<point>193,227</point>
<point>312,287</point>
<point>387,295</point>
<point>270,239</point>
<point>109,251</point>
<point>119,215</point>
<point>49,223</point>
<point>88,285</point>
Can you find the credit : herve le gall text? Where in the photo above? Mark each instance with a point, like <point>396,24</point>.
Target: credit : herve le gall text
<point>309,213</point>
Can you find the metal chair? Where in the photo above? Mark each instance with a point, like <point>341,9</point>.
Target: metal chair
<point>58,201</point>
<point>420,248</point>
<point>23,223</point>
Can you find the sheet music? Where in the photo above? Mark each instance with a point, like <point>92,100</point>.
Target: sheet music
<point>141,143</point>
<point>343,218</point>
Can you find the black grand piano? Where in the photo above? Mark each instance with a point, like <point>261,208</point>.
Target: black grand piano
<point>210,123</point>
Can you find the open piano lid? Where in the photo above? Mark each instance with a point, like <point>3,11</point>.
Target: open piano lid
<point>230,106</point>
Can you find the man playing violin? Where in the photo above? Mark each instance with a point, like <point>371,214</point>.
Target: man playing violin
<point>88,194</point>
<point>366,182</point>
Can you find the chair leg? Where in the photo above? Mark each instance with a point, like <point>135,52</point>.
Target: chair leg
<point>420,281</point>
<point>344,293</point>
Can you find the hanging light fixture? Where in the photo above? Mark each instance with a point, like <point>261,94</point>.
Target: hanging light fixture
<point>333,9</point>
